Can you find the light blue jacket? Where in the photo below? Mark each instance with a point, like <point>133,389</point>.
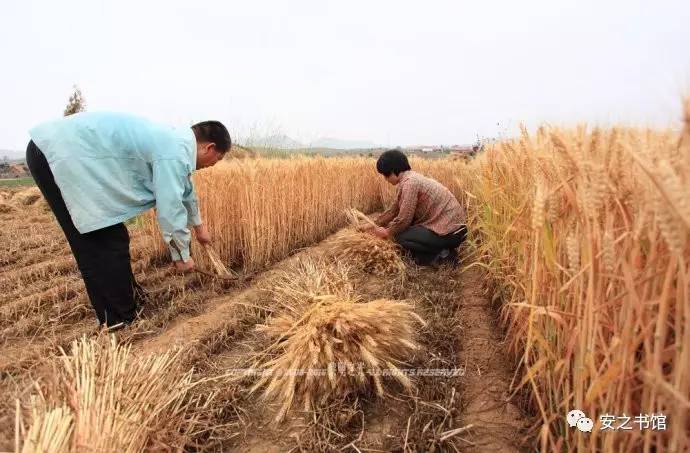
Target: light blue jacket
<point>110,167</point>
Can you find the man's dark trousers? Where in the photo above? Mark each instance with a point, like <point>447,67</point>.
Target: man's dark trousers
<point>425,245</point>
<point>102,255</point>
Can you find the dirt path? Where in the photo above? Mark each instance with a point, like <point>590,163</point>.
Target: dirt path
<point>497,423</point>
<point>470,412</point>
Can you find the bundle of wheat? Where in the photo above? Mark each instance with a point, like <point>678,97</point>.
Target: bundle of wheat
<point>104,398</point>
<point>27,197</point>
<point>335,348</point>
<point>367,253</point>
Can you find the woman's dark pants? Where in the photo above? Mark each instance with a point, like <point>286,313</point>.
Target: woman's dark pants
<point>424,245</point>
<point>102,255</point>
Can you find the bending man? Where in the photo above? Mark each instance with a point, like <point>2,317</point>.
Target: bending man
<point>98,170</point>
<point>425,218</point>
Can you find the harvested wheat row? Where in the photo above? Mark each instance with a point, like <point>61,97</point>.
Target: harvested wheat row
<point>334,349</point>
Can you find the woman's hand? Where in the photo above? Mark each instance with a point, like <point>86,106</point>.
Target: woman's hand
<point>202,234</point>
<point>379,232</point>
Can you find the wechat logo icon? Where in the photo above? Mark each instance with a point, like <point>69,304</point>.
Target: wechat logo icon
<point>577,418</point>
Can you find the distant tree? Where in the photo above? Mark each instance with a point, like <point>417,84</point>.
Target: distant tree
<point>76,102</point>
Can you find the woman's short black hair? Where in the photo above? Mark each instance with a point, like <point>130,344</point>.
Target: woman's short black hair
<point>213,132</point>
<point>392,161</point>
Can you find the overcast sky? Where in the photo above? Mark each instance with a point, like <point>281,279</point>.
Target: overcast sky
<point>391,72</point>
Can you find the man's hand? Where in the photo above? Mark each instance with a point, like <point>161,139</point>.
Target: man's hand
<point>202,234</point>
<point>182,266</point>
<point>380,232</point>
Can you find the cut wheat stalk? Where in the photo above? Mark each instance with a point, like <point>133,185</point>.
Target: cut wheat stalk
<point>105,398</point>
<point>215,260</point>
<point>355,217</point>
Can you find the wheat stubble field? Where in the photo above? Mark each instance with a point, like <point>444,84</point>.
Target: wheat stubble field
<point>572,294</point>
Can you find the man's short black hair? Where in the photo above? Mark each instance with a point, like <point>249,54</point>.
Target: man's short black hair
<point>213,132</point>
<point>392,161</point>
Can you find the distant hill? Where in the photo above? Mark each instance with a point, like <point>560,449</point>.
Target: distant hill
<point>336,143</point>
<point>278,141</point>
<point>282,141</point>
